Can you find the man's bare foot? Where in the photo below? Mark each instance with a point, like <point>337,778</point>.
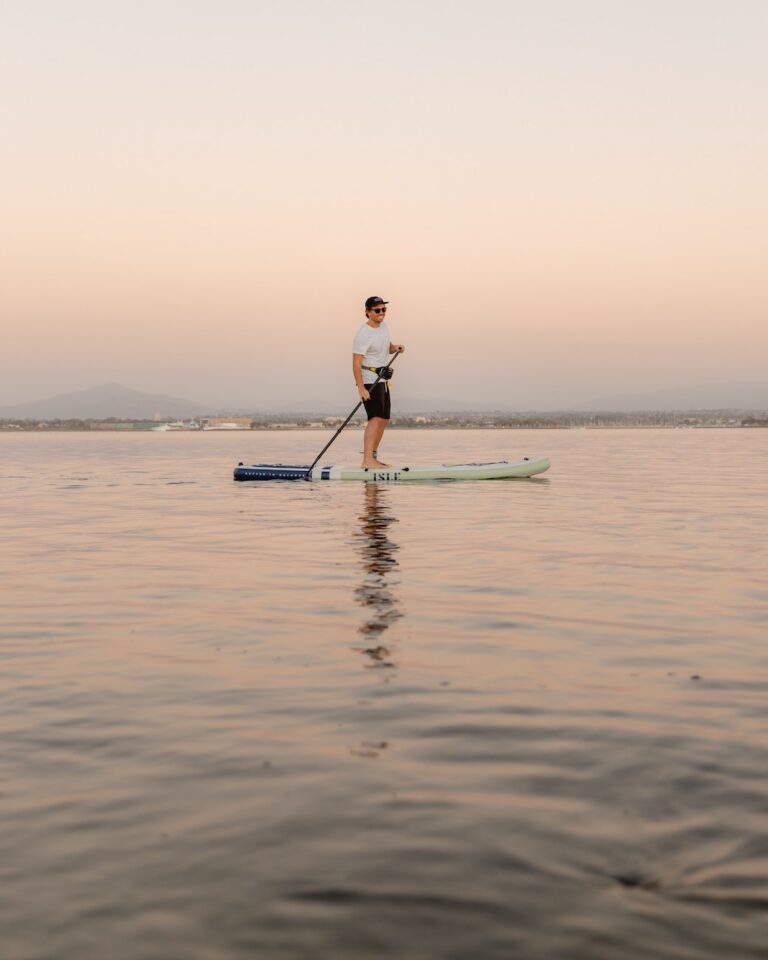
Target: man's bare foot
<point>373,464</point>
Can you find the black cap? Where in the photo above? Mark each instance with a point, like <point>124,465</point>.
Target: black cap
<point>374,302</point>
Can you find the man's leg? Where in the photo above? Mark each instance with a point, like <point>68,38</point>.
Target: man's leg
<point>373,431</point>
<point>382,426</point>
<point>383,408</point>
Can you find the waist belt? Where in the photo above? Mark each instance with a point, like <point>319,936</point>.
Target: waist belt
<point>384,372</point>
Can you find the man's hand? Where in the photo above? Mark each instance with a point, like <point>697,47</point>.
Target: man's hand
<point>364,395</point>
<point>398,348</point>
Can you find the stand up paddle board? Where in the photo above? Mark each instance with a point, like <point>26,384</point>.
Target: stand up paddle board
<point>504,469</point>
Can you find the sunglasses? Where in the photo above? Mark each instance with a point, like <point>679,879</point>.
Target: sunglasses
<point>379,310</point>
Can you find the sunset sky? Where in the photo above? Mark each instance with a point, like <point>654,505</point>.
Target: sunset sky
<point>562,199</point>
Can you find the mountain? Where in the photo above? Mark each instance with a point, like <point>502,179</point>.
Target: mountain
<point>717,396</point>
<point>115,400</point>
<point>102,402</point>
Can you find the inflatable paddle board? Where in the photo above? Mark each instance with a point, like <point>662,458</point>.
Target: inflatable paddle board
<point>504,469</point>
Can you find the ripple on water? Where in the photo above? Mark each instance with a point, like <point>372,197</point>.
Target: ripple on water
<point>439,721</point>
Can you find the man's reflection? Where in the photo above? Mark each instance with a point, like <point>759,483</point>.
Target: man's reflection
<point>378,553</point>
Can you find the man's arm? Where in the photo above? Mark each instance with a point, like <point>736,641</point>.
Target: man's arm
<point>357,370</point>
<point>396,348</point>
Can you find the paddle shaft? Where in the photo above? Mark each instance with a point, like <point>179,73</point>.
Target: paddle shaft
<point>368,387</point>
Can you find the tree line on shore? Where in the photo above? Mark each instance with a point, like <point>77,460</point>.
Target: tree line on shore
<point>553,421</point>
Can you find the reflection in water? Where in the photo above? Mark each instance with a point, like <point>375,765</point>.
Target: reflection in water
<point>182,694</point>
<point>378,553</point>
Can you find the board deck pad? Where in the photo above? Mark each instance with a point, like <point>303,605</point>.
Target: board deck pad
<point>498,470</point>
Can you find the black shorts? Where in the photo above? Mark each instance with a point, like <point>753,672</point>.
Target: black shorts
<point>379,405</point>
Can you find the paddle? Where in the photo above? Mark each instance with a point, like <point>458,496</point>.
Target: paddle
<point>369,387</point>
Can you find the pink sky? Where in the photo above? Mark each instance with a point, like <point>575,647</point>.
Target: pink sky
<point>561,200</point>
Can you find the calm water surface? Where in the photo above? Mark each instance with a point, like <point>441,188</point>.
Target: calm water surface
<point>521,719</point>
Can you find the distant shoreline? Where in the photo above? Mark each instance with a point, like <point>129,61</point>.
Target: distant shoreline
<point>563,421</point>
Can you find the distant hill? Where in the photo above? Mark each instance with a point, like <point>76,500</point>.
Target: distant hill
<point>116,400</point>
<point>719,396</point>
<point>102,402</point>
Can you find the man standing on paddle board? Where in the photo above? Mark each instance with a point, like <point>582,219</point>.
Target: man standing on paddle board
<point>370,352</point>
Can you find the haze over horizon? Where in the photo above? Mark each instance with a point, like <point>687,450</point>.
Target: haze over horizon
<point>117,400</point>
<point>561,201</point>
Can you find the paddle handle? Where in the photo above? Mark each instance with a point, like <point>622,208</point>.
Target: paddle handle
<point>308,474</point>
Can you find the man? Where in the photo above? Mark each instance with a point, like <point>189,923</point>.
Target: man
<point>370,352</point>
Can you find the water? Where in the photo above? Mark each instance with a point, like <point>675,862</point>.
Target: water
<point>458,720</point>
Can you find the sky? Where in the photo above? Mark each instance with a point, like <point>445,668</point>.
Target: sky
<point>560,199</point>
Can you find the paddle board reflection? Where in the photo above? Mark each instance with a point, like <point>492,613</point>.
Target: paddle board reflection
<point>379,563</point>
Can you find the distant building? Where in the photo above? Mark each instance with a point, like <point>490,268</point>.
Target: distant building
<point>227,423</point>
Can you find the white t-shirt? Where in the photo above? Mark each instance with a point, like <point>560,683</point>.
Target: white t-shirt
<point>373,343</point>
